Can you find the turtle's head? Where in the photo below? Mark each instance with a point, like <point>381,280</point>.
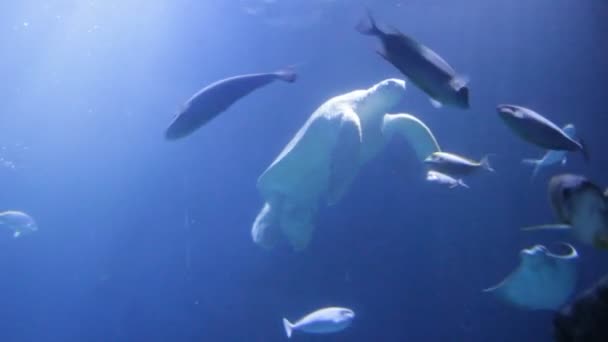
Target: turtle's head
<point>383,96</point>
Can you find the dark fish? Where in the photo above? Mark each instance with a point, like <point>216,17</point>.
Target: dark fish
<point>538,130</point>
<point>425,68</point>
<point>585,319</point>
<point>581,207</point>
<point>215,98</point>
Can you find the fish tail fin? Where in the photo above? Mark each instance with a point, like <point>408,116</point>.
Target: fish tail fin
<point>368,25</point>
<point>463,184</point>
<point>288,74</point>
<point>584,149</point>
<point>288,327</point>
<point>485,163</point>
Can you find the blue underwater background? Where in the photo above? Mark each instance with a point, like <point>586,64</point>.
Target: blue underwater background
<point>141,239</point>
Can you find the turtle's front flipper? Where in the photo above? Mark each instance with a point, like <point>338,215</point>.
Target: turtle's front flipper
<point>415,132</point>
<point>345,156</point>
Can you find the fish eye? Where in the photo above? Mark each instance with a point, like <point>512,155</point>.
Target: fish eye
<point>566,193</point>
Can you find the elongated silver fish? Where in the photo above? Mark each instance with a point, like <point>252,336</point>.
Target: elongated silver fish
<point>19,222</point>
<point>323,321</point>
<point>215,98</point>
<point>423,66</point>
<point>538,130</point>
<point>442,178</point>
<point>581,208</point>
<point>551,157</point>
<point>455,165</point>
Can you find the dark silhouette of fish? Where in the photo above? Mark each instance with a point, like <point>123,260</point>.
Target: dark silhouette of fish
<point>585,319</point>
<point>425,68</point>
<point>215,98</point>
<point>538,130</point>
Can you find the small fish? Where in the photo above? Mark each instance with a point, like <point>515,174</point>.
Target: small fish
<point>323,321</point>
<point>581,208</point>
<point>215,98</point>
<point>442,178</point>
<point>456,165</point>
<point>19,222</point>
<point>538,130</point>
<point>552,156</point>
<point>423,66</point>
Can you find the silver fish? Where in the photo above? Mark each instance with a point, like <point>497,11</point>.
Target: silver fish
<point>215,98</point>
<point>455,165</point>
<point>442,178</point>
<point>581,208</point>
<point>19,222</point>
<point>423,66</point>
<point>323,321</point>
<point>551,157</point>
<point>538,130</point>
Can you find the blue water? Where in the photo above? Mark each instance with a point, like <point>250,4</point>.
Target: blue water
<point>141,239</point>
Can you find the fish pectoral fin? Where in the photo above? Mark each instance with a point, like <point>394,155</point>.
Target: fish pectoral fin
<point>554,226</point>
<point>435,103</point>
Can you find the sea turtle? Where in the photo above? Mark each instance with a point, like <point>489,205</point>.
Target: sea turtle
<point>324,156</point>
